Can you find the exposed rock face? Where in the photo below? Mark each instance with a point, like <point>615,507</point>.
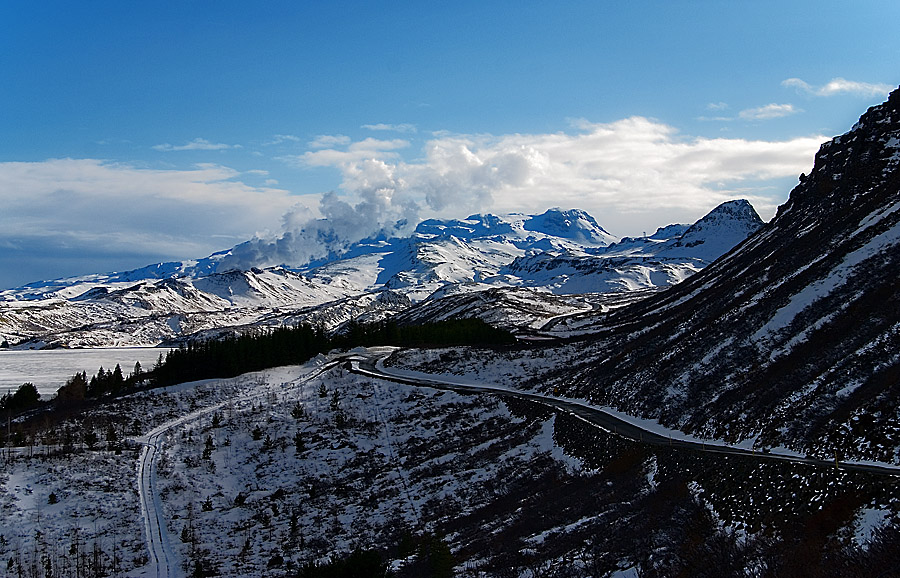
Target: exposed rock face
<point>794,336</point>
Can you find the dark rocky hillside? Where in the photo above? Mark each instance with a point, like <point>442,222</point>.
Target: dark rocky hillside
<point>793,336</point>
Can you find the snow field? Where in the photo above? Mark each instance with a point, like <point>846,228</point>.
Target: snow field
<point>96,510</point>
<point>381,459</point>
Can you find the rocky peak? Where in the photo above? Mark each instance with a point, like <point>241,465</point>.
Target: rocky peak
<point>726,226</point>
<point>851,166</point>
<point>573,224</point>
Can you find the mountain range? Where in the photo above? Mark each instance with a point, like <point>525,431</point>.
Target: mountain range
<point>526,267</point>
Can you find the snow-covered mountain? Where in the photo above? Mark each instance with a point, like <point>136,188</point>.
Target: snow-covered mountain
<point>555,253</point>
<point>790,339</point>
<point>667,257</point>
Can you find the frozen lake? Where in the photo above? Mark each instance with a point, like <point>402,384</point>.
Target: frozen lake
<point>48,370</point>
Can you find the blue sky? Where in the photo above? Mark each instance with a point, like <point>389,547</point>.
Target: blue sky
<point>137,132</point>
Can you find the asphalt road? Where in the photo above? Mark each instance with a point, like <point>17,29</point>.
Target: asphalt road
<point>368,365</point>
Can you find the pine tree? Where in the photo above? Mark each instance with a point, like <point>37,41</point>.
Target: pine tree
<point>111,437</point>
<point>90,438</point>
<point>209,447</point>
<point>335,401</point>
<point>116,380</point>
<point>299,443</point>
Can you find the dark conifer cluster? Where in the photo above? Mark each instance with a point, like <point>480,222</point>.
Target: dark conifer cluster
<point>254,351</point>
<point>25,397</point>
<point>292,345</point>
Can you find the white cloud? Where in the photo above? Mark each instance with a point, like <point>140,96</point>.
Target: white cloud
<point>717,106</point>
<point>631,165</point>
<point>282,138</point>
<point>839,86</point>
<point>404,127</point>
<point>329,140</point>
<point>93,207</point>
<point>633,175</point>
<point>198,144</point>
<point>768,112</point>
<point>355,152</point>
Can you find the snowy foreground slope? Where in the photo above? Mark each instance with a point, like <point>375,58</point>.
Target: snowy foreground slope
<point>557,253</point>
<point>266,473</point>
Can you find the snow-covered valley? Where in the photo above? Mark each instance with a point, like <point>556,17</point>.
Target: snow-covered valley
<point>262,474</point>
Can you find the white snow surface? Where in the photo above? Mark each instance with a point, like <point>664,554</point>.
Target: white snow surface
<point>565,252</point>
<point>836,278</point>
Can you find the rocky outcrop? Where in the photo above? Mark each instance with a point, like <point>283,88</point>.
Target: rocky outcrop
<point>792,338</point>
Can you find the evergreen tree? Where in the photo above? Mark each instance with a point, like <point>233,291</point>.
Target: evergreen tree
<point>111,437</point>
<point>335,401</point>
<point>299,443</point>
<point>73,391</point>
<point>209,446</point>
<point>90,438</point>
<point>26,397</point>
<point>116,380</point>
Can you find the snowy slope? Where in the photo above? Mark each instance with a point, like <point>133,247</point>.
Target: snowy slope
<point>151,311</point>
<point>565,252</point>
<point>665,258</point>
<point>790,339</point>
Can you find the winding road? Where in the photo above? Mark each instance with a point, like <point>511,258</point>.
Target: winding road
<point>164,562</point>
<point>372,365</point>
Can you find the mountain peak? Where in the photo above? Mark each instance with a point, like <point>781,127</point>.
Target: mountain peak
<point>851,166</point>
<point>573,224</point>
<point>722,228</point>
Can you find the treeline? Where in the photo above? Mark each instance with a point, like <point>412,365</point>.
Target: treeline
<point>236,355</point>
<point>253,351</point>
<point>293,345</point>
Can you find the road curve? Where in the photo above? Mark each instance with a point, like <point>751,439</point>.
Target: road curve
<point>163,562</point>
<point>368,365</point>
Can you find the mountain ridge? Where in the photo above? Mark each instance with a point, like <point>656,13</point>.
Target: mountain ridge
<point>440,258</point>
<point>789,338</point>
